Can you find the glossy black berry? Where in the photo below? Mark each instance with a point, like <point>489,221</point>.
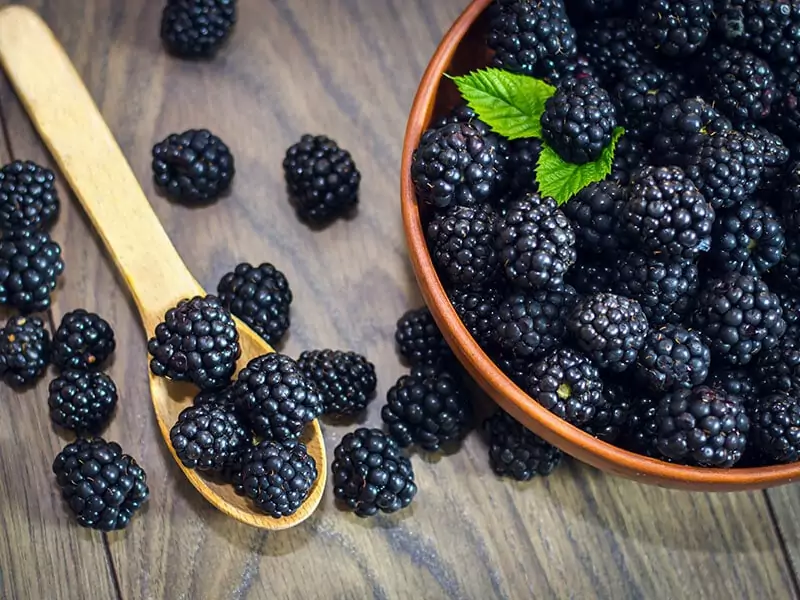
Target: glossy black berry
<point>641,94</point>
<point>595,215</point>
<point>590,276</point>
<point>30,266</point>
<point>477,311</point>
<point>767,28</point>
<point>748,237</point>
<point>674,28</point>
<point>418,338</point>
<point>523,156</point>
<point>84,340</point>
<point>737,382</point>
<point>346,380</point>
<point>672,357</point>
<point>775,427</point>
<point>28,197</point>
<point>778,369</point>
<point>611,416</point>
<point>611,46</point>
<point>683,127</point>
<point>24,350</point>
<point>82,401</point>
<point>208,438</point>
<point>197,28</point>
<point>517,452</point>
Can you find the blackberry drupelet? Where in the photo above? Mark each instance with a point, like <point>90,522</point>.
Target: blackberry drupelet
<point>197,342</point>
<point>102,486</point>
<point>610,417</point>
<point>427,407</point>
<point>674,28</point>
<point>778,369</point>
<point>684,127</point>
<point>194,167</point>
<point>775,427</point>
<point>28,197</point>
<point>595,215</point>
<point>611,329</point>
<point>672,357</point>
<point>630,156</point>
<point>30,266</point>
<point>748,238</point>
<point>84,340</point>
<point>523,155</point>
<point>774,151</point>
<point>82,401</point>
<point>640,431</point>
<point>736,382</point>
<point>346,381</point>
<point>590,277</point>
<point>611,47</point>
<point>260,296</point>
<point>276,398</point>
<point>517,452</point>
<point>197,28</point>
<point>370,473</point>
<point>24,350</point>
<point>767,28</point>
<point>477,310</point>
<point>641,94</point>
<point>208,438</point>
<point>418,338</point>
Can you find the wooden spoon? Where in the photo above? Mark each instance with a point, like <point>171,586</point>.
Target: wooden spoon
<point>69,122</point>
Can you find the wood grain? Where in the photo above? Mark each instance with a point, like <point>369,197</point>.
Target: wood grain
<point>347,68</point>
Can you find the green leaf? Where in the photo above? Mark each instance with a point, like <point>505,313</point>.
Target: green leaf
<point>511,104</point>
<point>562,180</point>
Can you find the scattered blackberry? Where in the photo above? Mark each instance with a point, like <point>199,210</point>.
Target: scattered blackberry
<point>629,156</point>
<point>684,127</point>
<point>641,94</point>
<point>82,401</point>
<point>427,407</point>
<point>675,28</point>
<point>566,383</point>
<point>774,152</point>
<point>611,48</point>
<point>260,296</point>
<point>102,486</point>
<point>641,429</point>
<point>222,398</point>
<point>672,357</point>
<point>276,398</point>
<point>418,338</point>
<point>589,277</point>
<point>536,243</point>
<point>207,438</point>
<point>346,380</point>
<point>775,427</point>
<point>611,416</point>
<point>767,28</point>
<point>322,179</point>
<point>197,342</point>
<point>477,310</point>
<point>84,340</point>
<point>748,237</point>
<point>278,476</point>
<point>736,382</point>
<point>595,212</point>
<point>24,350</point>
<point>193,167</point>
<point>523,155</point>
<point>702,426</point>
<point>611,329</point>
<point>578,120</point>
<point>517,452</point>
<point>30,265</point>
<point>740,317</point>
<point>778,369</point>
<point>370,473</point>
<point>197,28</point>
<point>28,197</point>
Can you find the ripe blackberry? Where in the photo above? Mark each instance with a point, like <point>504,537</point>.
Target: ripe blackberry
<point>24,350</point>
<point>684,127</point>
<point>611,48</point>
<point>197,342</point>
<point>701,426</point>
<point>102,486</point>
<point>611,416</point>
<point>28,197</point>
<point>578,120</point>
<point>346,381</point>
<point>260,296</point>
<point>774,152</point>
<point>629,156</point>
<point>641,94</point>
<point>555,70</point>
<point>767,28</point>
<point>740,317</point>
<point>84,340</point>
<point>82,401</point>
<point>786,274</point>
<point>523,155</point>
<point>278,476</point>
<point>30,265</point>
<point>477,310</point>
<point>427,407</point>
<point>207,438</point>
<point>528,325</point>
<point>536,243</point>
<point>737,383</point>
<point>370,473</point>
<point>193,167</point>
<point>595,214</point>
<point>418,338</point>
<point>778,369</point>
<point>775,427</point>
<point>674,28</point>
<point>222,398</point>
<point>790,303</point>
<point>672,357</point>
<point>590,277</point>
<point>523,33</point>
<point>276,398</point>
<point>640,431</point>
<point>611,329</point>
<point>786,111</point>
<point>517,452</point>
<point>748,237</point>
<point>567,384</point>
<point>197,28</point>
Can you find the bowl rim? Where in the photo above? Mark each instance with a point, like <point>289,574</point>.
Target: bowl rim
<point>503,390</point>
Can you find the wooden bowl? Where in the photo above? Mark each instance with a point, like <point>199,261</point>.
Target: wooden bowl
<point>464,49</point>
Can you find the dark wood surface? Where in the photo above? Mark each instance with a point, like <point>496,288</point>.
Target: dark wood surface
<point>347,68</point>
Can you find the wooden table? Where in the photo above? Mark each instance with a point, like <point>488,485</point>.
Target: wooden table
<point>347,68</point>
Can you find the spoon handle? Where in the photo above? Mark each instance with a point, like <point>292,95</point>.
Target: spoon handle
<point>89,157</point>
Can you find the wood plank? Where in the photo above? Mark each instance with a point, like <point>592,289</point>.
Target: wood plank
<point>349,68</point>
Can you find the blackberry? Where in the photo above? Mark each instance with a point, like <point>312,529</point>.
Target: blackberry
<point>641,94</point>
<point>775,427</point>
<point>276,398</point>
<point>667,214</point>
<point>28,197</point>
<point>536,243</point>
<point>684,127</point>
<point>24,350</point>
<point>260,296</point>
<point>595,212</point>
<point>418,338</point>
<point>346,380</point>
<point>197,28</point>
<point>778,369</point>
<point>222,398</point>
<point>702,426</point>
<point>611,416</point>
<point>207,438</point>
<point>786,111</point>
<point>462,245</point>
<point>555,70</point>
<point>567,384</point>
<point>672,357</point>
<point>516,369</point>
<point>523,33</point>
<point>477,310</point>
<point>578,120</point>
<point>748,237</point>
<point>102,486</point>
<point>767,28</point>
<point>736,382</point>
<point>740,316</point>
<point>674,28</point>
<point>194,167</point>
<point>523,155</point>
<point>30,266</point>
<point>611,329</point>
<point>278,477</point>
<point>774,152</point>
<point>84,340</point>
<point>528,325</point>
<point>82,401</point>
<point>197,342</point>
<point>640,431</point>
<point>630,156</point>
<point>790,303</point>
<point>611,47</point>
<point>786,274</point>
<point>517,452</point>
<point>427,407</point>
<point>589,277</point>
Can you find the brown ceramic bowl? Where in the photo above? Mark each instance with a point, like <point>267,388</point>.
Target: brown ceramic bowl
<point>464,49</point>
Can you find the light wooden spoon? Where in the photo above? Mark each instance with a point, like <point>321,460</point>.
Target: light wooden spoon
<point>90,159</point>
